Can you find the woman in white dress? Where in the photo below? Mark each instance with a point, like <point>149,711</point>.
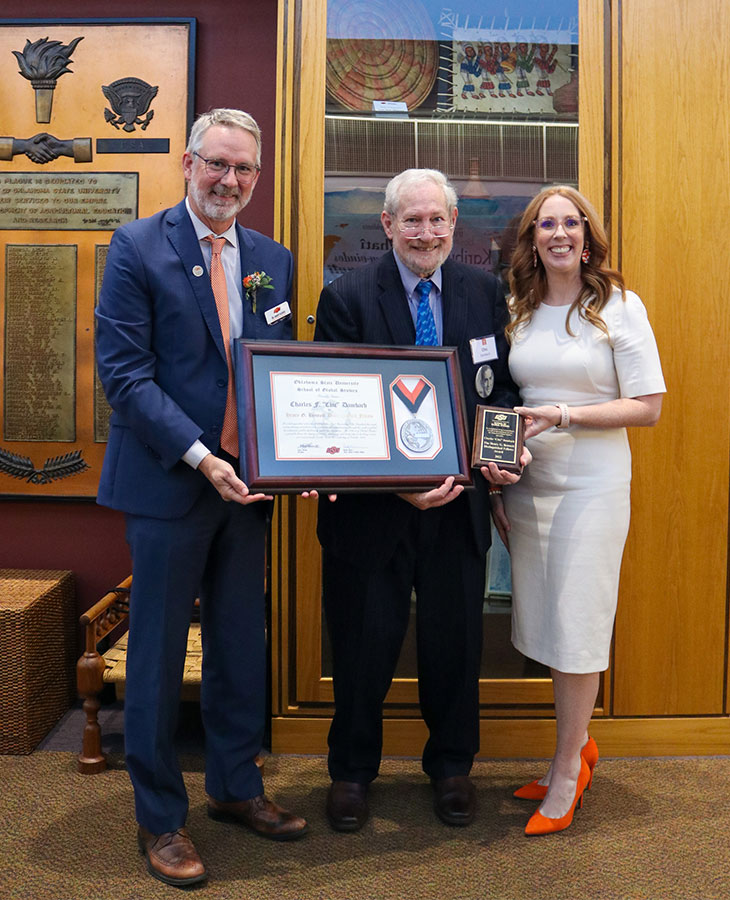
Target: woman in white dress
<point>584,357</point>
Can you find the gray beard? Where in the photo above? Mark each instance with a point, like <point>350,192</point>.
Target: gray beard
<point>205,201</point>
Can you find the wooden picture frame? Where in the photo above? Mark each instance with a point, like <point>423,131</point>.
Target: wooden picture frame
<point>349,417</point>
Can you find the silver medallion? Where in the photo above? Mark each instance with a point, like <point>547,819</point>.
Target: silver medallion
<point>484,381</point>
<point>416,435</point>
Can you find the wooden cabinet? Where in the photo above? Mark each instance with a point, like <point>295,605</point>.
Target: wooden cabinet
<point>653,152</point>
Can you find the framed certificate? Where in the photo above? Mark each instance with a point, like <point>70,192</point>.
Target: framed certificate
<point>349,417</point>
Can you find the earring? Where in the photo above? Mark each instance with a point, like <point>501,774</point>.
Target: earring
<point>534,256</point>
<point>586,254</point>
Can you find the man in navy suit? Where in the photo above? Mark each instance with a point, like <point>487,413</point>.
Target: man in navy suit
<point>193,527</point>
<point>378,547</point>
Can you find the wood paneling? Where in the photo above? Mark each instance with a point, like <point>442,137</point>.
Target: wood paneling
<point>592,151</point>
<point>529,738</point>
<point>296,632</point>
<point>673,153</point>
<point>309,150</point>
<point>404,691</point>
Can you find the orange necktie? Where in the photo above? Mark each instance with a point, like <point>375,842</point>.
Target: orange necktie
<point>229,432</point>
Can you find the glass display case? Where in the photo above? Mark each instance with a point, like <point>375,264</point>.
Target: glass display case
<point>491,100</point>
<point>488,94</point>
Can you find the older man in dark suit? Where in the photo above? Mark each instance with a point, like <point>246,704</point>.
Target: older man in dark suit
<point>378,547</point>
<point>173,297</point>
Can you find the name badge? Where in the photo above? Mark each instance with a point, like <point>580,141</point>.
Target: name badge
<point>483,349</point>
<point>276,313</point>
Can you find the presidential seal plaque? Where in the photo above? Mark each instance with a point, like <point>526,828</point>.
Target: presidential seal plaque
<point>499,436</point>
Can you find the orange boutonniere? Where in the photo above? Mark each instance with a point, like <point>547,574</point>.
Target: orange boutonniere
<point>254,281</point>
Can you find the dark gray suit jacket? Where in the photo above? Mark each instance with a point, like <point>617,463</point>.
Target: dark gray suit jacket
<point>369,306</point>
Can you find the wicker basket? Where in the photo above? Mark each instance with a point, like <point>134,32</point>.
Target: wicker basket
<point>37,654</point>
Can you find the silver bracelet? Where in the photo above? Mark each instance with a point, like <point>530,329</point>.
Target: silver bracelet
<point>564,415</point>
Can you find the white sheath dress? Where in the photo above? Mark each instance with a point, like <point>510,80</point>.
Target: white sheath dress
<point>570,511</point>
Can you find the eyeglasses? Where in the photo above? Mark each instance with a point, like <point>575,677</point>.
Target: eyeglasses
<point>415,230</point>
<point>549,224</point>
<point>217,168</point>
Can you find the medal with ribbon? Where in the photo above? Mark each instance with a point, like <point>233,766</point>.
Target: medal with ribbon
<point>415,433</point>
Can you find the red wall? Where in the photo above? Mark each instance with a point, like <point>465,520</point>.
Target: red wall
<point>235,66</point>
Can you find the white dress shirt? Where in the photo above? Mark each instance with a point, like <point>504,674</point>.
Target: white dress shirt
<point>410,280</point>
<point>231,261</point>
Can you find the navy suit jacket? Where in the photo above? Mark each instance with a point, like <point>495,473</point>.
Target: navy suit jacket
<point>369,306</point>
<point>161,357</point>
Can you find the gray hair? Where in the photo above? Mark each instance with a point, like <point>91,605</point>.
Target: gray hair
<point>411,177</point>
<point>231,118</point>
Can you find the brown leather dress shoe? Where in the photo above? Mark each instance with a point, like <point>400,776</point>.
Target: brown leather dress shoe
<point>454,799</point>
<point>260,815</point>
<point>347,805</point>
<point>171,857</point>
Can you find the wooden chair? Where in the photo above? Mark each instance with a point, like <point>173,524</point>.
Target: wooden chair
<point>109,614</point>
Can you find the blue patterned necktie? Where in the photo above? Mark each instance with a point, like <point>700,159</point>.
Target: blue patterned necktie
<point>425,326</point>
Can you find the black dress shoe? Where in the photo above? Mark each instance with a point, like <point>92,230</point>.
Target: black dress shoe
<point>454,799</point>
<point>347,805</point>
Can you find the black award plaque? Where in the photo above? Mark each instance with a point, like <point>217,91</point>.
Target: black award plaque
<point>499,436</point>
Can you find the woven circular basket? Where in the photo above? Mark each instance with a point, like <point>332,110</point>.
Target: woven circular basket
<point>393,62</point>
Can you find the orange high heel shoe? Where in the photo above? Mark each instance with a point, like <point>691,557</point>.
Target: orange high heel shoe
<point>536,791</point>
<point>540,824</point>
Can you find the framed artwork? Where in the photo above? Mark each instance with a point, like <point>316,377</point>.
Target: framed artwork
<point>376,52</point>
<point>525,72</point>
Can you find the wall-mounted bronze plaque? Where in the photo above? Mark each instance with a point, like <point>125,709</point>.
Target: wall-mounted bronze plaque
<point>499,436</point>
<point>82,201</point>
<point>40,343</point>
<point>97,113</point>
<point>102,410</point>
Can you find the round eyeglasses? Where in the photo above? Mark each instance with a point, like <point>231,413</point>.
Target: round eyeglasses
<point>413,231</point>
<point>549,224</point>
<point>217,168</point>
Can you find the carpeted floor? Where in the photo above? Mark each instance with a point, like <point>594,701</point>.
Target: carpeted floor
<point>650,830</point>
